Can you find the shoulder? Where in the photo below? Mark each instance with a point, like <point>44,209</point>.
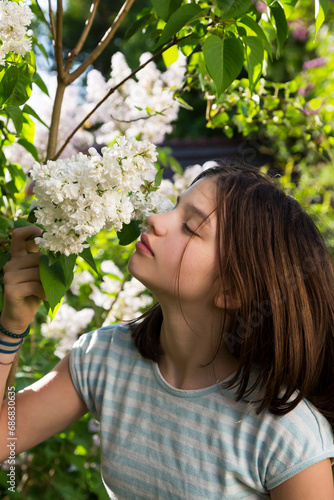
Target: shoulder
<point>109,344</point>
<point>94,357</point>
<point>292,442</point>
<point>102,338</point>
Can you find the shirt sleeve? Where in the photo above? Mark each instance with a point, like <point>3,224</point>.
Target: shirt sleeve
<point>88,360</point>
<point>303,438</point>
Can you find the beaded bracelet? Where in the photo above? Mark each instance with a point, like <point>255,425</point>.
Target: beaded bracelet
<point>10,363</point>
<point>15,335</point>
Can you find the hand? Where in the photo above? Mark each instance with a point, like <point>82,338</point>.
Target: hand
<point>22,284</point>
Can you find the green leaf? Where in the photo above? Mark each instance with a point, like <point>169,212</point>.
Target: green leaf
<point>28,129</point>
<point>53,280</point>
<point>30,67</point>
<point>21,91</point>
<point>158,177</point>
<point>255,55</point>
<point>170,56</point>
<point>29,147</point>
<point>288,6</point>
<point>32,217</point>
<point>15,114</point>
<point>8,83</point>
<point>321,8</point>
<point>180,18</point>
<point>224,60</point>
<point>4,257</point>
<point>129,233</point>
<point>21,223</point>
<point>40,83</point>
<point>231,9</point>
<point>138,25</point>
<point>164,8</point>
<point>87,256</point>
<point>183,103</point>
<point>281,25</point>
<point>27,109</point>
<point>68,263</point>
<point>161,7</point>
<point>256,28</point>
<point>52,313</point>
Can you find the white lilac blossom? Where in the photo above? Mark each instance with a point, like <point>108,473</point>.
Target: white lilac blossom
<point>100,296</point>
<point>78,197</point>
<point>128,302</point>
<point>149,203</point>
<point>14,19</point>
<point>80,278</point>
<point>152,89</point>
<point>109,267</point>
<point>66,326</point>
<point>143,106</point>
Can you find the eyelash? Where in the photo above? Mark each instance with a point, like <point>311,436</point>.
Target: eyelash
<point>188,230</point>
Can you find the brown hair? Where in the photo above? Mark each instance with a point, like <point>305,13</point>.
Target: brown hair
<point>273,253</point>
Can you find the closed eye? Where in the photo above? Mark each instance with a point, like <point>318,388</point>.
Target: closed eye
<point>187,229</point>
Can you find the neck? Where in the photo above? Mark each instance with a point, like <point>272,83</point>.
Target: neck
<point>189,341</point>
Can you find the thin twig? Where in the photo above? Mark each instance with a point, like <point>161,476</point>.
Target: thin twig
<point>138,119</point>
<point>44,18</point>
<point>88,24</point>
<point>109,34</point>
<point>52,22</point>
<point>59,40</point>
<point>111,91</point>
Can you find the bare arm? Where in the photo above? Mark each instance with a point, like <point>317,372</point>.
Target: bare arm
<point>52,403</point>
<point>314,483</point>
<point>41,410</point>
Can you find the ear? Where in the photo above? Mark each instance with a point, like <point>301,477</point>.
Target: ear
<point>228,299</point>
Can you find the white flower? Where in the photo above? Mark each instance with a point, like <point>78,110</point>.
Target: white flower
<point>80,278</point>
<point>143,106</point>
<point>109,267</point>
<point>149,203</point>
<point>14,18</point>
<point>129,301</point>
<point>79,196</point>
<point>66,326</point>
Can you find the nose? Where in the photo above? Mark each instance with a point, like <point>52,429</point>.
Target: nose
<point>158,223</point>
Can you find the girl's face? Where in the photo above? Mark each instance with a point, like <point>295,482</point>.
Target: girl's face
<point>181,243</point>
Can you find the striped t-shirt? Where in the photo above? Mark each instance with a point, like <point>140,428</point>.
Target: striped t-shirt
<point>158,442</point>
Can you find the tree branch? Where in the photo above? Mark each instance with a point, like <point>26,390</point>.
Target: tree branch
<point>59,40</point>
<point>111,91</point>
<point>88,24</point>
<point>53,134</point>
<point>52,22</point>
<point>44,18</point>
<point>109,34</point>
<point>146,117</point>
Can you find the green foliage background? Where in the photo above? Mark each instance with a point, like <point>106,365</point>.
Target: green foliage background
<point>285,113</point>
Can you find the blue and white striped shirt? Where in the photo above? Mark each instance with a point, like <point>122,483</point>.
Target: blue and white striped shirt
<point>158,442</point>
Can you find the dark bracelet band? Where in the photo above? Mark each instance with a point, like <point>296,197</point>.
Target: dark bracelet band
<point>9,352</point>
<point>15,335</point>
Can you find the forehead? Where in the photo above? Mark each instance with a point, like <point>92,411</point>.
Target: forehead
<point>202,192</point>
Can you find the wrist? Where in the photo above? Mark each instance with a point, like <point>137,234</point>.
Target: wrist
<point>12,329</point>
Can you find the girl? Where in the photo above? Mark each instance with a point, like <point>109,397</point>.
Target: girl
<point>224,389</point>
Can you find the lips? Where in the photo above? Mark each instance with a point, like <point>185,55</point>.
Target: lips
<point>145,241</point>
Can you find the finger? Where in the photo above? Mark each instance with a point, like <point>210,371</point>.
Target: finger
<point>24,262</point>
<point>24,290</point>
<point>21,243</point>
<point>24,276</point>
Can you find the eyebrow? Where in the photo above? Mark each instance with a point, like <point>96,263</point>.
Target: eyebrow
<point>192,208</point>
